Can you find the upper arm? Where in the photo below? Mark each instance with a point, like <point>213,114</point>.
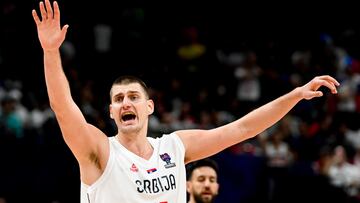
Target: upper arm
<point>204,143</point>
<point>84,140</point>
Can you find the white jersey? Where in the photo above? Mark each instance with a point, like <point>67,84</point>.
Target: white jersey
<point>130,178</point>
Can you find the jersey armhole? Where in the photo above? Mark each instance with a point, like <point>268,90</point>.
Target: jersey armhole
<point>106,172</point>
<point>179,143</point>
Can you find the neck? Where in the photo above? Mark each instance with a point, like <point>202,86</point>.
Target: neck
<point>137,145</point>
<point>192,200</point>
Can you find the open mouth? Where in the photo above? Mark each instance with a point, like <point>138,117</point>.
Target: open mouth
<point>128,116</point>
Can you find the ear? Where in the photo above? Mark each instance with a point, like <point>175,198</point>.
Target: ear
<point>110,110</point>
<point>150,106</point>
<point>188,186</point>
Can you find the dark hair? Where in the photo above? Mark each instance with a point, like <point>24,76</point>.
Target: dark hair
<point>128,79</point>
<point>200,163</point>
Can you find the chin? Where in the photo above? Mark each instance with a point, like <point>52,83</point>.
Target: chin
<point>130,129</point>
<point>207,199</point>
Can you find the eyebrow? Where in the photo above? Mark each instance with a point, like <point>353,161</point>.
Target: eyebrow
<point>129,92</point>
<point>206,176</point>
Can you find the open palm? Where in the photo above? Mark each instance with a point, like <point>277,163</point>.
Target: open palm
<point>50,34</point>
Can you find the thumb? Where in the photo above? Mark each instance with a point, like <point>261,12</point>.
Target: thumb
<point>64,29</point>
<point>314,94</point>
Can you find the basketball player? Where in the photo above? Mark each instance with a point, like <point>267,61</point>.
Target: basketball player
<point>129,166</point>
<point>202,182</point>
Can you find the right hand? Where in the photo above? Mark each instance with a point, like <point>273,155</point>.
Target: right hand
<point>50,34</point>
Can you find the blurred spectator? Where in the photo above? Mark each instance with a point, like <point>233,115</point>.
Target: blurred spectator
<point>11,122</point>
<point>191,48</point>
<point>279,159</point>
<point>248,75</point>
<point>343,174</point>
<point>277,151</point>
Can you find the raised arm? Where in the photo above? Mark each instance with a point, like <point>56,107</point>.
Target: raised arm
<point>84,140</point>
<point>204,143</point>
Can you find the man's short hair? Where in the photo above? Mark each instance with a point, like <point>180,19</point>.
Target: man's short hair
<point>128,79</point>
<point>200,163</point>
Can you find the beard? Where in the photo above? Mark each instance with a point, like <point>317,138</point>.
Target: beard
<point>200,199</point>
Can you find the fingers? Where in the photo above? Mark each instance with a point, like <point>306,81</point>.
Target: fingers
<point>35,16</point>
<point>56,11</point>
<point>311,94</point>
<point>43,11</point>
<point>317,94</point>
<point>311,88</point>
<point>49,9</point>
<point>328,84</point>
<point>329,78</point>
<point>327,81</point>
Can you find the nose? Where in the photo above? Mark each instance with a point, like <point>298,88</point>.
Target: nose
<point>207,183</point>
<point>126,102</point>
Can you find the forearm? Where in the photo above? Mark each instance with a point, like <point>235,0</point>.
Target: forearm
<point>56,82</point>
<point>203,143</point>
<point>200,143</point>
<point>265,116</point>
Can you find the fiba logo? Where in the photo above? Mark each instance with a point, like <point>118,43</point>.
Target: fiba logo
<point>166,157</point>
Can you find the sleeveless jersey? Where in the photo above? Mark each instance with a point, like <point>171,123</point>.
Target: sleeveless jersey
<point>129,178</point>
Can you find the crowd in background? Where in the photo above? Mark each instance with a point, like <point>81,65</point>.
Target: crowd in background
<point>203,71</point>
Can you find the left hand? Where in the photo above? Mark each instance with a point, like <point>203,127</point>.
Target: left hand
<point>310,90</point>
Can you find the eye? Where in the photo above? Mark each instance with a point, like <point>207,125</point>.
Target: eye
<point>201,179</point>
<point>118,99</point>
<point>133,97</point>
<point>213,180</point>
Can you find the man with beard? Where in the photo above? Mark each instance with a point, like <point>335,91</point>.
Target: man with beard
<point>202,185</point>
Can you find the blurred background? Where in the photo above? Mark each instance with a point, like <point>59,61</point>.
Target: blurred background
<point>206,66</point>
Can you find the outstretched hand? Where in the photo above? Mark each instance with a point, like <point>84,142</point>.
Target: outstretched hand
<point>50,34</point>
<point>311,89</point>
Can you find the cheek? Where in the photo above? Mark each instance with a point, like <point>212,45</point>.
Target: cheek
<point>215,187</point>
<point>115,106</point>
<point>198,186</point>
